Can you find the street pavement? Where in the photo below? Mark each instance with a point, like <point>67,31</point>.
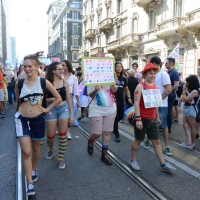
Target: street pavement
<point>87,177</point>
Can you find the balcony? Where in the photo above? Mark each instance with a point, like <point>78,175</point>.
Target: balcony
<point>130,40</point>
<point>148,36</point>
<point>174,26</point>
<point>96,50</point>
<point>84,18</point>
<point>89,34</point>
<point>141,3</point>
<point>106,25</point>
<point>75,48</point>
<point>82,54</point>
<point>193,22</point>
<point>113,46</point>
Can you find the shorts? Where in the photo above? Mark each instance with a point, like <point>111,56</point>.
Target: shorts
<point>150,127</point>
<point>163,112</point>
<point>102,123</point>
<point>175,102</point>
<point>2,94</point>
<point>190,111</point>
<point>32,127</point>
<point>58,112</point>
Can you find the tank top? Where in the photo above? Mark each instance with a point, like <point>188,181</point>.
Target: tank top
<point>33,93</point>
<point>148,113</point>
<point>61,91</point>
<point>192,101</point>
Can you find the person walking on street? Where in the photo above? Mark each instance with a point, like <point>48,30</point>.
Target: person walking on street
<point>137,75</point>
<point>60,115</point>
<point>102,112</point>
<point>147,121</point>
<point>2,115</point>
<point>120,97</point>
<point>190,97</point>
<point>174,77</point>
<point>163,83</point>
<point>73,87</point>
<point>29,117</point>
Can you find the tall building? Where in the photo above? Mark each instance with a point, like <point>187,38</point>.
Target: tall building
<point>65,30</point>
<point>3,33</point>
<point>12,50</point>
<point>135,30</point>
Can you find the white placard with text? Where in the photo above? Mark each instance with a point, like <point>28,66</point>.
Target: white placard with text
<point>152,98</point>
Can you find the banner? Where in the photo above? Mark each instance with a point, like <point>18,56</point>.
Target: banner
<point>98,71</point>
<point>55,59</point>
<point>175,54</point>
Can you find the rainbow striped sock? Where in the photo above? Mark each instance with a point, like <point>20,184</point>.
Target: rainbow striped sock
<point>62,145</point>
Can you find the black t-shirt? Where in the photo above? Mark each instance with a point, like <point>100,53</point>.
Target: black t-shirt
<point>79,74</point>
<point>119,95</point>
<point>132,84</point>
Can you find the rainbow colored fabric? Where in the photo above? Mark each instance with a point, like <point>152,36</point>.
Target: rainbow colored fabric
<point>130,112</point>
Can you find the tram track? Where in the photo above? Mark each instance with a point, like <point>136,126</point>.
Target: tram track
<point>149,190</point>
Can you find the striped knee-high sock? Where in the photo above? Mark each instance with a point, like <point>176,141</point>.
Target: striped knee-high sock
<point>62,145</point>
<point>50,141</point>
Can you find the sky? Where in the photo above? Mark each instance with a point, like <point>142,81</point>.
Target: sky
<point>28,24</point>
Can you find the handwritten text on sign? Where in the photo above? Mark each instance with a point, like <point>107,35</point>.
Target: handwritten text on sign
<point>152,98</point>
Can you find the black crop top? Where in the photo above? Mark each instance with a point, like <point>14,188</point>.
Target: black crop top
<point>61,91</point>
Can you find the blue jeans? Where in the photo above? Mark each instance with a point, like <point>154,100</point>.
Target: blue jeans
<point>11,92</point>
<point>169,115</point>
<point>163,111</point>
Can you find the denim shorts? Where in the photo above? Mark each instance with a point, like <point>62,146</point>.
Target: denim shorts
<point>190,111</point>
<point>58,112</point>
<point>32,127</point>
<point>163,112</point>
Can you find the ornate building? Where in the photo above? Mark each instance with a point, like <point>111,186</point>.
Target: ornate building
<point>65,30</point>
<point>135,30</point>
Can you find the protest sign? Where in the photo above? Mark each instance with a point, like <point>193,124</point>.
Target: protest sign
<point>98,71</point>
<point>152,98</point>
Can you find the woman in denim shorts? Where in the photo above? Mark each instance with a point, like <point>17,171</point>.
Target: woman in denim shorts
<point>190,97</point>
<point>60,115</point>
<point>29,117</point>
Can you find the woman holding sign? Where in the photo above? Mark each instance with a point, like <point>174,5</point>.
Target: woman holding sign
<point>146,101</point>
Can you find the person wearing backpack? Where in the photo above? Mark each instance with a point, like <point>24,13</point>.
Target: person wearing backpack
<point>29,117</point>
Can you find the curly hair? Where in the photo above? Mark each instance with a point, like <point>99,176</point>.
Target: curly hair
<point>50,74</point>
<point>193,82</point>
<point>69,65</point>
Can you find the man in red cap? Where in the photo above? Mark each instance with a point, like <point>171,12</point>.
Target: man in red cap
<point>147,118</point>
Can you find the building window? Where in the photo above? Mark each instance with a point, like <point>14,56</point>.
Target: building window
<point>99,18</point>
<point>177,8</point>
<point>74,56</point>
<point>134,26</point>
<point>75,29</point>
<point>118,32</point>
<point>152,19</point>
<point>91,4</point>
<point>75,4</point>
<point>119,6</point>
<point>74,15</point>
<point>75,41</point>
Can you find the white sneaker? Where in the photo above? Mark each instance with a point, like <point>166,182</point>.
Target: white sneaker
<point>168,168</point>
<point>134,165</point>
<point>185,145</point>
<point>69,136</point>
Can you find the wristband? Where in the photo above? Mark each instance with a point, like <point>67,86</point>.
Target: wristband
<point>138,118</point>
<point>166,93</point>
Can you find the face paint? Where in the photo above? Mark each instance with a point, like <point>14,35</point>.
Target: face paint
<point>136,92</point>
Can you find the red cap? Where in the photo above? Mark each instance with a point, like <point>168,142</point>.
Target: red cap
<point>148,67</point>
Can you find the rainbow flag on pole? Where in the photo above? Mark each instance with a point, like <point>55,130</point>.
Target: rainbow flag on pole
<point>130,112</point>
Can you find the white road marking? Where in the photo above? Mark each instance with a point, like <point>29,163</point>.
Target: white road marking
<point>171,160</point>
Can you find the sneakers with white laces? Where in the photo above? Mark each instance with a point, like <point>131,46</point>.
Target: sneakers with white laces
<point>168,151</point>
<point>146,144</point>
<point>168,168</point>
<point>34,176</point>
<point>61,164</point>
<point>30,189</point>
<point>185,145</point>
<point>69,136</point>
<point>134,165</point>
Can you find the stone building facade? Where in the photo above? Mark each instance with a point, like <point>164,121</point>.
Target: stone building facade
<point>135,30</point>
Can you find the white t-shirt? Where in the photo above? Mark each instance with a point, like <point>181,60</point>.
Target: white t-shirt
<point>96,110</point>
<point>73,84</point>
<point>162,79</point>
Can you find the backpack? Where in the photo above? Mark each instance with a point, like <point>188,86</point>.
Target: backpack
<point>179,90</point>
<point>12,83</point>
<point>198,109</point>
<point>43,85</point>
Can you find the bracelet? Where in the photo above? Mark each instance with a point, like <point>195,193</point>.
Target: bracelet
<point>71,115</point>
<point>138,118</point>
<point>183,92</point>
<point>166,93</point>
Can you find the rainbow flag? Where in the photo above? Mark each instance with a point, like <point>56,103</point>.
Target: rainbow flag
<point>130,112</point>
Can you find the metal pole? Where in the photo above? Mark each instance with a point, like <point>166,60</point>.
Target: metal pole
<point>19,173</point>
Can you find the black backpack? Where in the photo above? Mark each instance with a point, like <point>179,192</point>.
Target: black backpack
<point>43,85</point>
<point>179,90</point>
